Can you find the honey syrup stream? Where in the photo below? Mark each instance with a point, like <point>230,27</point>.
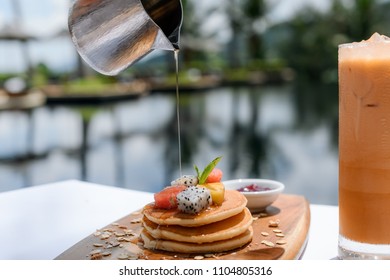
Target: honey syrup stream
<point>176,56</point>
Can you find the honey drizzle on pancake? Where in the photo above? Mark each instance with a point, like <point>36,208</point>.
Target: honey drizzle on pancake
<point>233,204</point>
<point>214,231</point>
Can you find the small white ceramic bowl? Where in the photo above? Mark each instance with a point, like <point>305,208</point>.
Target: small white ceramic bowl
<point>257,200</point>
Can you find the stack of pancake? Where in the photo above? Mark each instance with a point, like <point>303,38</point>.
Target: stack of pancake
<point>217,229</point>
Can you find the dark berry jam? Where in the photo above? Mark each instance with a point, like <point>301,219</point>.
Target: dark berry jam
<point>254,188</point>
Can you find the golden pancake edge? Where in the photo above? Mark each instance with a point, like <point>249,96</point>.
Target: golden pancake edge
<point>221,230</point>
<point>192,248</point>
<point>233,204</point>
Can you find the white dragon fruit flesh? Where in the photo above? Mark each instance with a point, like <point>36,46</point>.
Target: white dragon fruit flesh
<point>186,180</point>
<point>193,200</point>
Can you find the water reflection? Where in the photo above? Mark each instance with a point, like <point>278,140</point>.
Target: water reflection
<point>266,132</point>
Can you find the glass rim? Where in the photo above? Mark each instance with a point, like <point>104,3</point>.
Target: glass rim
<point>362,44</point>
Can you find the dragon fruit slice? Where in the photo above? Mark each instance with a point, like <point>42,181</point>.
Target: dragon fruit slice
<point>186,180</point>
<point>193,200</point>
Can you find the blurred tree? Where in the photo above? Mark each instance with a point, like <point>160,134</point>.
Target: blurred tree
<point>362,19</point>
<point>191,36</point>
<point>307,43</point>
<point>191,20</point>
<point>247,23</point>
<point>255,11</point>
<point>311,47</point>
<point>307,48</point>
<point>235,16</point>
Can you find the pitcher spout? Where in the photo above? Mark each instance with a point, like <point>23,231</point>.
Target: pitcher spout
<point>168,16</point>
<point>111,35</point>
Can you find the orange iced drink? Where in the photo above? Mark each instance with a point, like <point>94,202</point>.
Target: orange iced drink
<point>364,144</point>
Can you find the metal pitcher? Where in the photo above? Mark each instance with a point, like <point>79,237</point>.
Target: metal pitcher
<point>111,35</point>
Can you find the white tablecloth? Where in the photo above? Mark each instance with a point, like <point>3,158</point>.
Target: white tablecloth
<point>41,222</point>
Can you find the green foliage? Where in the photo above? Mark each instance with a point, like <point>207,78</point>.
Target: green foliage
<point>4,77</point>
<point>90,85</point>
<point>311,48</point>
<point>202,176</point>
<point>307,43</point>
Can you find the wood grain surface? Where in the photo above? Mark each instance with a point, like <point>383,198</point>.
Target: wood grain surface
<point>120,240</point>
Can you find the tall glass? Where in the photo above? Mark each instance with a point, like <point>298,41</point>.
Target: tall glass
<point>364,149</point>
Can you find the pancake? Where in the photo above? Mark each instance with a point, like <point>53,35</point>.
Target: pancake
<point>233,204</point>
<point>195,248</point>
<point>221,230</point>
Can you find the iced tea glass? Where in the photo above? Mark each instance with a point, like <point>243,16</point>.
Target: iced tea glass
<point>364,149</point>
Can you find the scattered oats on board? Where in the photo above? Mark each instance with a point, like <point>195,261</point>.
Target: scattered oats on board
<point>133,257</point>
<point>123,239</point>
<point>277,230</point>
<point>198,257</point>
<point>279,235</point>
<point>97,256</point>
<point>267,243</point>
<point>281,242</point>
<point>259,215</point>
<point>105,235</point>
<point>114,243</point>
<point>135,221</point>
<point>129,232</point>
<point>98,244</point>
<point>272,223</point>
<point>97,251</point>
<point>263,233</point>
<point>97,233</point>
<point>123,256</point>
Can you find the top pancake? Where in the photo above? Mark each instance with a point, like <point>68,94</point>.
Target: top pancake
<point>233,204</point>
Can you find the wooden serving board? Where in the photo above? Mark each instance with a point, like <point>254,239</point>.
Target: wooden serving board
<point>120,240</point>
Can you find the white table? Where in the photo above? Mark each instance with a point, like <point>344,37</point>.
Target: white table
<point>43,221</point>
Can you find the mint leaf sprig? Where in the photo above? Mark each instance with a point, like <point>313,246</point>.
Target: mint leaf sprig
<point>205,173</point>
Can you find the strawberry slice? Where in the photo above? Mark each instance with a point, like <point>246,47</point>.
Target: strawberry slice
<point>166,199</point>
<point>214,176</point>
